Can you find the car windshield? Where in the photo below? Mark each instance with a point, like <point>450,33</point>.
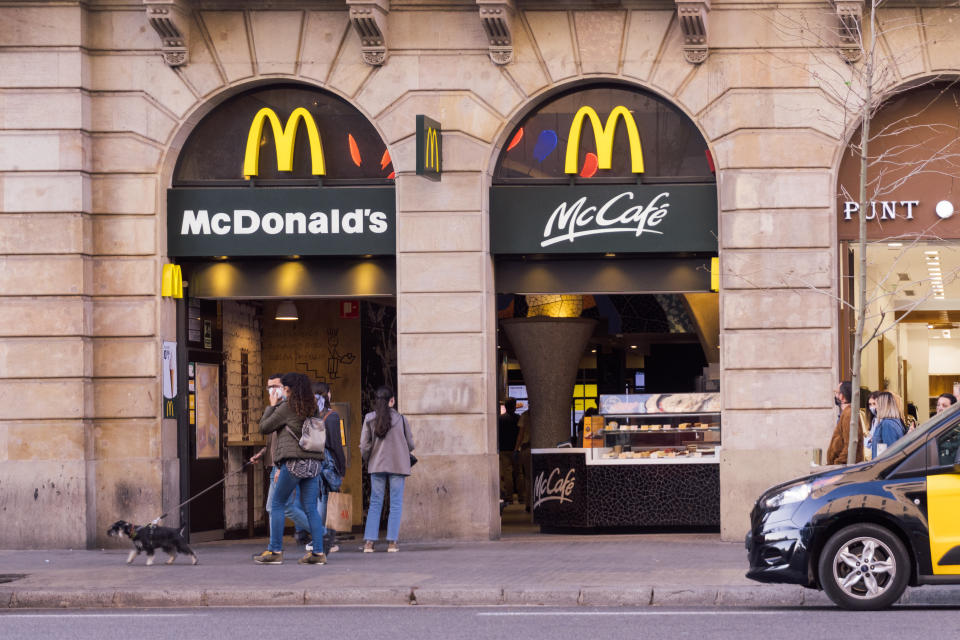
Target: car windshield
<point>919,432</point>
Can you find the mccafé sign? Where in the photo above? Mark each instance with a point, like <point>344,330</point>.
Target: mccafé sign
<point>267,221</point>
<point>595,218</point>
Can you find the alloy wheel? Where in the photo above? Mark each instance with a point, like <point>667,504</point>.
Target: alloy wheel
<point>864,568</point>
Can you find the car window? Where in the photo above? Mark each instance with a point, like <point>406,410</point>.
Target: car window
<point>947,446</point>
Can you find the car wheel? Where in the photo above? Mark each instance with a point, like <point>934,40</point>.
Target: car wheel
<point>864,567</point>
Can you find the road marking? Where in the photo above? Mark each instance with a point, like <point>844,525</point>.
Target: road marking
<point>630,613</point>
<point>54,614</point>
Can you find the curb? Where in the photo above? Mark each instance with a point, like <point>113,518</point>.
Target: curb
<point>559,596</point>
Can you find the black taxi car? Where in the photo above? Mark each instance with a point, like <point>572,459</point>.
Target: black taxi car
<point>864,532</point>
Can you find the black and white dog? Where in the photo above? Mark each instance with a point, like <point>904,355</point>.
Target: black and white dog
<point>151,538</point>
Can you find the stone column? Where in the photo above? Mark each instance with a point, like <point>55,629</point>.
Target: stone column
<point>778,341</point>
<point>46,312</point>
<point>446,329</point>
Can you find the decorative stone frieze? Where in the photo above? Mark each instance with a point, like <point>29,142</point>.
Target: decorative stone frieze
<point>693,20</point>
<point>850,13</point>
<point>169,19</point>
<point>497,18</point>
<point>369,20</point>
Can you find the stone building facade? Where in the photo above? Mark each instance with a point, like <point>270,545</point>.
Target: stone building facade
<point>95,106</point>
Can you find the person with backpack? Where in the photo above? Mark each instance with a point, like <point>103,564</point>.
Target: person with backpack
<point>334,464</point>
<point>385,446</point>
<point>294,420</point>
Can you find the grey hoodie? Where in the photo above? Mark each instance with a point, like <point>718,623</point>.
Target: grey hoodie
<point>390,454</point>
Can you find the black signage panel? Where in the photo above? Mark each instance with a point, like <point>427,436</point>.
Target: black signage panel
<point>429,148</point>
<point>281,222</point>
<point>603,218</point>
<point>559,489</point>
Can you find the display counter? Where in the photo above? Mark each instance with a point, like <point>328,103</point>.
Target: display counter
<point>648,461</point>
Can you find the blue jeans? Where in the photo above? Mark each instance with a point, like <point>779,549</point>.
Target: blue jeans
<point>378,483</point>
<point>292,508</point>
<point>309,494</point>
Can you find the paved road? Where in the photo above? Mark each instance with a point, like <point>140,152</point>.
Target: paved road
<point>449,623</point>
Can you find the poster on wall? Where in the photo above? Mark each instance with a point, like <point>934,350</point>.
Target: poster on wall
<point>207,410</point>
<point>169,372</point>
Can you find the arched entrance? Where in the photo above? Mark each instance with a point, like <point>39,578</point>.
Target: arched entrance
<point>603,227</point>
<point>281,216</point>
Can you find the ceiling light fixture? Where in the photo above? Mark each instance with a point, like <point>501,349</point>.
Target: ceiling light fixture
<point>894,245</point>
<point>286,310</point>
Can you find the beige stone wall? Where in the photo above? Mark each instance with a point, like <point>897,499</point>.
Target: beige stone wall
<point>91,120</point>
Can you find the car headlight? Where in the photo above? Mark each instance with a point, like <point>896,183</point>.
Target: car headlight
<point>796,493</point>
<point>800,492</point>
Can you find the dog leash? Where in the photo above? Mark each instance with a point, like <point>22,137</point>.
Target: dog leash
<point>157,520</point>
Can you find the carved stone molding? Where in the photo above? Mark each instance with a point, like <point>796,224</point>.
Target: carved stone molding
<point>693,21</point>
<point>169,18</point>
<point>497,19</point>
<point>369,20</point>
<point>850,13</point>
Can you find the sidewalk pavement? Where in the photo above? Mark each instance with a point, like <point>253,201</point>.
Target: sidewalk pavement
<point>577,570</point>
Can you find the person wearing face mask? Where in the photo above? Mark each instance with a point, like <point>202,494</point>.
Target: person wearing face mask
<point>839,443</point>
<point>945,401</point>
<point>334,464</point>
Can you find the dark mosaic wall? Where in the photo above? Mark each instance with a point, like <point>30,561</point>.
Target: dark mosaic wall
<point>649,495</point>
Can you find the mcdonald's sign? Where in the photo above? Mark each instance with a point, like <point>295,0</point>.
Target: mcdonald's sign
<point>284,138</point>
<point>603,134</point>
<point>429,148</point>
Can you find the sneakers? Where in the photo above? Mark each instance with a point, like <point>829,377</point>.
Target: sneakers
<point>309,547</point>
<point>392,547</point>
<point>368,546</point>
<point>334,548</point>
<point>313,558</point>
<point>269,557</point>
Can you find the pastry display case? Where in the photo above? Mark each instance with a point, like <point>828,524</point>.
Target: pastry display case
<point>647,460</point>
<point>655,429</point>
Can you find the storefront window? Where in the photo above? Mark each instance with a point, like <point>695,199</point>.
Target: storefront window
<point>672,146</point>
<point>353,151</point>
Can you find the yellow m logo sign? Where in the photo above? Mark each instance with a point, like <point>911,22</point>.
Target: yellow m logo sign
<point>604,137</point>
<point>431,155</point>
<point>284,137</point>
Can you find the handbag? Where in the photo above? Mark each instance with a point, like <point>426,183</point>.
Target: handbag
<point>303,468</point>
<point>339,512</point>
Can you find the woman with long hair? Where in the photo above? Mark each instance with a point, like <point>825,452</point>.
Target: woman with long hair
<point>385,446</point>
<point>890,426</point>
<point>298,468</point>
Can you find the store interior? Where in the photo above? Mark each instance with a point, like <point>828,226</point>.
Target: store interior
<point>348,343</point>
<point>640,344</point>
<point>913,304</point>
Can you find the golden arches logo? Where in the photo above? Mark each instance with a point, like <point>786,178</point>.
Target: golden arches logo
<point>431,154</point>
<point>603,134</point>
<point>284,138</point>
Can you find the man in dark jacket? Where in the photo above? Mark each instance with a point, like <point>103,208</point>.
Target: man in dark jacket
<point>334,465</point>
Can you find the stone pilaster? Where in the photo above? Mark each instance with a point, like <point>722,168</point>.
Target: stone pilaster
<point>445,341</point>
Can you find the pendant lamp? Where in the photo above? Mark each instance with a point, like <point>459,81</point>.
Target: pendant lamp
<point>286,310</point>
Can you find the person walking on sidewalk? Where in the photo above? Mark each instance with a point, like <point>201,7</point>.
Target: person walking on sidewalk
<point>385,446</point>
<point>292,508</point>
<point>837,451</point>
<point>298,468</point>
<point>890,425</point>
<point>334,464</point>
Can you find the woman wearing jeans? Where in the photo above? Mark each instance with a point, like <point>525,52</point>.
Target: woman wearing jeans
<point>297,468</point>
<point>385,446</point>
